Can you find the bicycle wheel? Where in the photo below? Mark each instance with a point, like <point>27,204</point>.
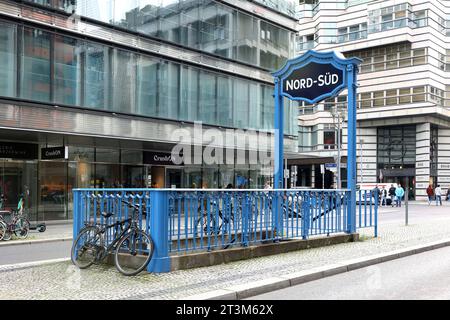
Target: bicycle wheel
<point>133,252</point>
<point>3,229</point>
<point>86,246</point>
<point>21,228</point>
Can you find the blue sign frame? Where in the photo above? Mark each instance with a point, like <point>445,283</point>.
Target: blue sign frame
<point>349,67</point>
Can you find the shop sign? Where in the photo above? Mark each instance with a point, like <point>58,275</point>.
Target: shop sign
<point>313,81</point>
<point>55,153</point>
<point>160,158</point>
<point>23,151</point>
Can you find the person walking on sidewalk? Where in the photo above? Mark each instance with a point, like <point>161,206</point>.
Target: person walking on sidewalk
<point>383,197</point>
<point>438,193</point>
<point>399,193</point>
<point>392,194</point>
<point>430,194</point>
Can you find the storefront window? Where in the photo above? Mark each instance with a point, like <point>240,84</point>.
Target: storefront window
<point>53,189</point>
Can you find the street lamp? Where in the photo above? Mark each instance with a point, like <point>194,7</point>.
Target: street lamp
<point>361,141</point>
<point>338,119</point>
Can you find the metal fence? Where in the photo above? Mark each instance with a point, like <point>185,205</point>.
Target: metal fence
<point>183,221</point>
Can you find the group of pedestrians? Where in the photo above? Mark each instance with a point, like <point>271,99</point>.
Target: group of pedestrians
<point>436,194</point>
<point>396,195</point>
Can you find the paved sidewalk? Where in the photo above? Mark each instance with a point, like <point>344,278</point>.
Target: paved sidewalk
<point>55,231</point>
<point>64,281</point>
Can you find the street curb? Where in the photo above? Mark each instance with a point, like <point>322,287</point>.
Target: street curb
<point>243,291</point>
<point>31,242</point>
<point>27,265</point>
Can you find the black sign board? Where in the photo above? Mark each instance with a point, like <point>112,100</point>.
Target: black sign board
<point>54,153</point>
<point>22,151</point>
<point>312,81</point>
<point>160,159</point>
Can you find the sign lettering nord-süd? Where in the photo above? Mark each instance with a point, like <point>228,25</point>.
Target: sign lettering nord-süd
<point>313,81</point>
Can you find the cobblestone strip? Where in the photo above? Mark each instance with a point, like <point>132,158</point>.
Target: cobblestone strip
<point>65,281</point>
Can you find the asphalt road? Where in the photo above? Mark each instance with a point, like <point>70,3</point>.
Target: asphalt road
<point>424,276</point>
<point>34,252</point>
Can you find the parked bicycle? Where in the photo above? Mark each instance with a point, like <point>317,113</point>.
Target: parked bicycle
<point>131,246</point>
<point>14,222</point>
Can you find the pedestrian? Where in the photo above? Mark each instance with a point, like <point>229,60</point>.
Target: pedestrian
<point>384,196</point>
<point>438,193</point>
<point>376,193</point>
<point>399,193</point>
<point>430,194</point>
<point>392,194</point>
<point>448,194</point>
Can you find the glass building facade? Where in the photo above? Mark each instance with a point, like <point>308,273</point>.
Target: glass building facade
<point>205,25</point>
<point>43,67</point>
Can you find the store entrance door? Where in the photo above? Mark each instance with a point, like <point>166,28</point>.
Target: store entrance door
<point>174,178</point>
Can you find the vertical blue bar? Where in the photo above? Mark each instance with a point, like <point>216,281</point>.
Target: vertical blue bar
<point>159,225</point>
<point>76,213</point>
<point>279,134</point>
<point>351,166</point>
<point>376,220</point>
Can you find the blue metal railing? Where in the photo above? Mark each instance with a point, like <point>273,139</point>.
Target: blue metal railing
<point>183,221</point>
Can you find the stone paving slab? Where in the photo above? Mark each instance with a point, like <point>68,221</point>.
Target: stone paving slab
<point>65,281</point>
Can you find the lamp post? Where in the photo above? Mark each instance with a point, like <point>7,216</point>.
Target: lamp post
<point>361,141</point>
<point>338,120</point>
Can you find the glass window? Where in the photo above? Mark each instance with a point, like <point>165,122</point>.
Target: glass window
<point>207,98</point>
<point>391,97</point>
<point>169,90</point>
<point>246,42</point>
<point>123,80</point>
<point>378,97</point>
<point>107,155</point>
<point>418,94</point>
<point>35,71</point>
<point>366,101</point>
<point>189,93</point>
<point>224,102</point>
<point>67,88</point>
<point>405,95</point>
<point>147,86</point>
<point>95,75</point>
<point>8,54</point>
<point>419,56</point>
<point>241,103</point>
<point>329,137</point>
<point>255,111</point>
<point>81,154</point>
<point>131,156</point>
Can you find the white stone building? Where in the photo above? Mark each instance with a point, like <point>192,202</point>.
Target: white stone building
<point>403,95</point>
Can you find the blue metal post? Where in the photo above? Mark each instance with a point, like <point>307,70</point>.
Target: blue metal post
<point>351,166</point>
<point>76,213</point>
<point>279,150</point>
<point>159,231</point>
<point>279,134</point>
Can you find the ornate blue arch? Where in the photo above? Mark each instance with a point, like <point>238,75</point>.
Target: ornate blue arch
<point>329,57</point>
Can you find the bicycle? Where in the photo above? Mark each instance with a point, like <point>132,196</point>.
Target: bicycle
<point>129,242</point>
<point>14,223</point>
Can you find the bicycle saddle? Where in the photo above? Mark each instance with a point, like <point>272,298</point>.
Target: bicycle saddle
<point>107,214</point>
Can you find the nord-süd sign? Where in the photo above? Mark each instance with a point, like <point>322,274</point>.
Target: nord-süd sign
<point>313,81</point>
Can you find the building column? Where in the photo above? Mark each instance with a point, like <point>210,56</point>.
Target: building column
<point>423,136</point>
<point>443,169</point>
